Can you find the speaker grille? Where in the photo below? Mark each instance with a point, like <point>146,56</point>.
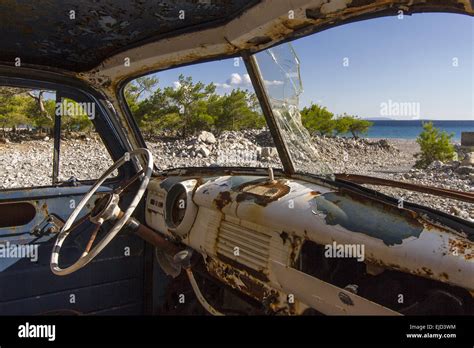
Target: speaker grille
<point>253,246</point>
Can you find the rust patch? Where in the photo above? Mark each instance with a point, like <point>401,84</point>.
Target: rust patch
<point>296,24</point>
<point>223,199</point>
<point>224,274</point>
<point>284,236</point>
<point>45,209</point>
<point>262,193</point>
<point>444,276</point>
<point>237,279</point>
<point>259,40</point>
<point>427,271</point>
<point>461,247</point>
<point>259,275</point>
<point>296,243</point>
<point>199,182</point>
<point>314,13</point>
<point>359,3</point>
<point>253,287</point>
<point>380,263</point>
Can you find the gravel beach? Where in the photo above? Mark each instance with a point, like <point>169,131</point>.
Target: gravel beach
<point>28,163</point>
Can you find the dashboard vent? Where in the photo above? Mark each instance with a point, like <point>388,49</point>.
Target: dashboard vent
<point>253,246</point>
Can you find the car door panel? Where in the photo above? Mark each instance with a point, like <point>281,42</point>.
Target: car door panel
<point>113,280</point>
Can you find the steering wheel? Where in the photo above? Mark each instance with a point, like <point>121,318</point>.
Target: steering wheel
<point>105,208</point>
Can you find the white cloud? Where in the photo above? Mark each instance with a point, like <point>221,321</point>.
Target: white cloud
<point>234,79</point>
<point>222,85</point>
<point>273,83</point>
<point>176,85</point>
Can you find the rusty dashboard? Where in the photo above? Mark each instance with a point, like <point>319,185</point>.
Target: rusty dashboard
<point>251,231</point>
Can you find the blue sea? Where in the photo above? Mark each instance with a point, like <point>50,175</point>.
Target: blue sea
<point>411,129</point>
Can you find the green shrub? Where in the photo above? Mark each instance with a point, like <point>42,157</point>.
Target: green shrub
<point>358,127</point>
<point>351,124</point>
<point>318,119</point>
<point>341,124</point>
<point>434,145</point>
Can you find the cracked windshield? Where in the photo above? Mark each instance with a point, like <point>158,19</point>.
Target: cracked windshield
<point>393,103</point>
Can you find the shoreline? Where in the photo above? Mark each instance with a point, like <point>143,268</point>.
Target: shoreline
<point>454,141</point>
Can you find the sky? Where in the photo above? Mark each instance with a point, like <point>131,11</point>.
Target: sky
<point>417,67</point>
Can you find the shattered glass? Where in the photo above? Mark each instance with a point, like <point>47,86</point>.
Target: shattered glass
<point>280,71</point>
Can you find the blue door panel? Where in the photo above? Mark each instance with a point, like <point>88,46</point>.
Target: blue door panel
<point>112,283</point>
<point>84,300</point>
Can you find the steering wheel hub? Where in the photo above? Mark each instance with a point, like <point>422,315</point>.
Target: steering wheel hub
<point>105,208</point>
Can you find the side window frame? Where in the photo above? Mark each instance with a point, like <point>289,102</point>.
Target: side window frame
<point>105,127</point>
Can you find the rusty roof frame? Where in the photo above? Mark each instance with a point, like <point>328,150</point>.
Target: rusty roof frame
<point>77,35</point>
<point>259,27</point>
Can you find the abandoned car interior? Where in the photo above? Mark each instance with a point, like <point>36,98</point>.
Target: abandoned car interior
<point>146,202</point>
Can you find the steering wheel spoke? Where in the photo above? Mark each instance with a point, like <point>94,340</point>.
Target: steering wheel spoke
<point>123,187</point>
<point>91,239</point>
<point>106,208</point>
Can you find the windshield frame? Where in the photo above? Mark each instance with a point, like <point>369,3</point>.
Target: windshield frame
<point>258,85</point>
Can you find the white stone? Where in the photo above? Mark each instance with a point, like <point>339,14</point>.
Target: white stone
<point>207,137</point>
<point>203,150</point>
<point>268,152</point>
<point>468,160</point>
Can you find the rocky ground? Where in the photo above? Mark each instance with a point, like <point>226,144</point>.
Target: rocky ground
<point>26,162</point>
<point>29,163</point>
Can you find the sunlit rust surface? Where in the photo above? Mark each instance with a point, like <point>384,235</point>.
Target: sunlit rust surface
<point>461,247</point>
<point>223,199</point>
<point>262,193</point>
